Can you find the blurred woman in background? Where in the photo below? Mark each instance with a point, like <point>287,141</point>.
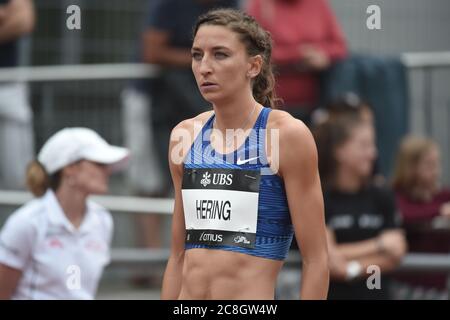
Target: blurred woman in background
<point>56,245</point>
<point>421,200</point>
<point>362,228</point>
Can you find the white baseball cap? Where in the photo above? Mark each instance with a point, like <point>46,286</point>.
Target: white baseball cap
<point>70,145</point>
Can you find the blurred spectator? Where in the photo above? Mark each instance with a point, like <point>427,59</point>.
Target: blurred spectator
<point>17,18</point>
<point>143,176</point>
<point>363,229</point>
<point>421,199</point>
<point>56,246</point>
<point>307,40</point>
<point>348,104</point>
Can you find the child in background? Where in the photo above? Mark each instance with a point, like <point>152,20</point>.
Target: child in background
<point>421,199</point>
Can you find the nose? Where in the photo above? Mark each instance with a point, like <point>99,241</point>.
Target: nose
<point>205,66</point>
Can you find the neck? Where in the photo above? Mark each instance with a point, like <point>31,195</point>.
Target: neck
<point>347,181</point>
<point>230,114</point>
<point>73,204</point>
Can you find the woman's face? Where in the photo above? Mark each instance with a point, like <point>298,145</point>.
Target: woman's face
<point>220,63</point>
<point>90,177</point>
<point>358,153</point>
<point>429,168</point>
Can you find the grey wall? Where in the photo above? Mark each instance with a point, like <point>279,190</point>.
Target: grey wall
<point>407,25</point>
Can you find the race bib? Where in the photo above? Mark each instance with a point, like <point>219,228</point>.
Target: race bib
<point>221,206</point>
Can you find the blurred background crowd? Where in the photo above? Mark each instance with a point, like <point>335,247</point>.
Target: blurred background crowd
<point>377,102</point>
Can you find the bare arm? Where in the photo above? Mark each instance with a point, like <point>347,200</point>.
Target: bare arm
<point>9,279</point>
<point>157,50</point>
<point>298,166</point>
<point>173,274</point>
<point>385,262</point>
<point>391,242</point>
<point>387,257</point>
<point>356,250</point>
<point>17,19</point>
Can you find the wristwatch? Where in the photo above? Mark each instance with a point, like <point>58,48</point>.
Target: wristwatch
<point>354,269</point>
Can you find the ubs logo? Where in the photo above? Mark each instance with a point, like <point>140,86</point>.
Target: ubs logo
<point>220,179</point>
<point>206,179</point>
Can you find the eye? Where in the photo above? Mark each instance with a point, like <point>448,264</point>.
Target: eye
<point>220,55</point>
<point>196,56</point>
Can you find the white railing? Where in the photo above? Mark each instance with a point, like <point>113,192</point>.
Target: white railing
<point>412,60</point>
<point>110,202</point>
<point>78,72</point>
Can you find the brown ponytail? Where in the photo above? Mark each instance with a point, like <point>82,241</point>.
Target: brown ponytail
<point>264,83</point>
<point>37,179</point>
<point>257,41</point>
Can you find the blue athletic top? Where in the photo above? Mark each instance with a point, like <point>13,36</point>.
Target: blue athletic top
<point>274,229</point>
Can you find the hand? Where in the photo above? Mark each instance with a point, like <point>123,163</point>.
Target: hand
<point>393,243</point>
<point>314,57</point>
<point>444,210</point>
<point>337,264</point>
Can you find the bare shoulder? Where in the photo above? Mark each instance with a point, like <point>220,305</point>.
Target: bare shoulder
<point>191,123</point>
<point>289,143</point>
<point>183,135</point>
<point>291,130</point>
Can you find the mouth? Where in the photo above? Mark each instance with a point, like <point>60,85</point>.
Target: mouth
<point>207,84</point>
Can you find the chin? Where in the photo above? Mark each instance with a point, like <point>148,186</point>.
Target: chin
<point>210,98</point>
<point>213,97</point>
<point>366,175</point>
<point>98,190</point>
<point>365,172</point>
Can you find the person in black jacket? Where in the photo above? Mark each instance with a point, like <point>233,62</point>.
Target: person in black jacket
<point>364,238</point>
